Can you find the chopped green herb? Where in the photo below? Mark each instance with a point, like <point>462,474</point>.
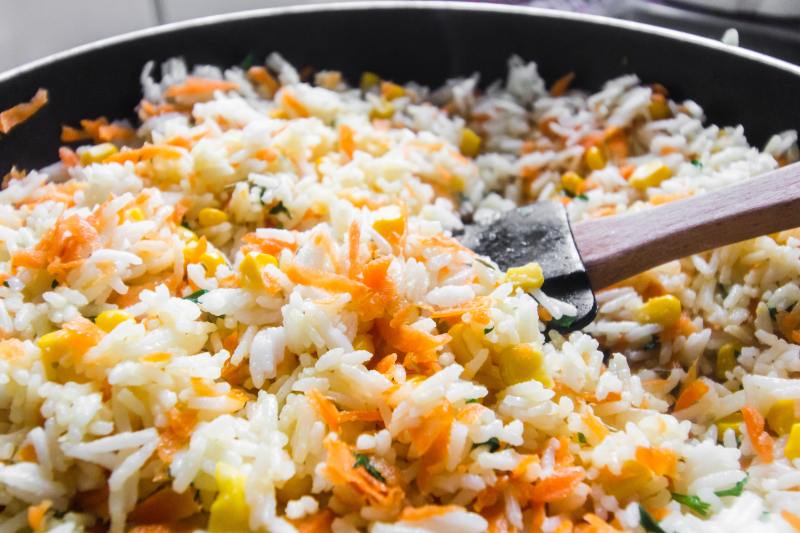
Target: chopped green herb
<point>248,61</point>
<point>723,290</point>
<point>564,322</point>
<point>582,197</point>
<point>472,400</point>
<point>697,163</point>
<point>278,209</point>
<point>195,296</point>
<point>654,343</point>
<point>486,331</point>
<point>692,502</point>
<point>736,490</point>
<point>54,284</point>
<point>493,444</point>
<point>649,523</point>
<point>363,462</point>
<point>185,224</point>
<point>485,263</point>
<point>773,312</point>
<point>582,438</point>
<point>5,283</point>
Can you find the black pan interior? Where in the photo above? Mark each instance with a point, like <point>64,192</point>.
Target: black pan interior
<point>425,44</point>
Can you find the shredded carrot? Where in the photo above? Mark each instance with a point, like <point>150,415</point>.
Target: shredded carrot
<point>261,77</point>
<point>346,140</point>
<point>598,524</point>
<point>291,102</point>
<point>340,469</point>
<point>760,440</point>
<point>433,424</point>
<point>666,150</point>
<point>627,171</point>
<point>316,523</point>
<point>558,485</point>
<point>659,513</point>
<point>199,87</point>
<point>68,157</point>
<point>164,506</point>
<point>662,461</point>
<point>146,153</point>
<point>27,453</point>
<point>176,434</point>
<point>562,84</point>
<point>98,130</point>
<point>660,199</point>
<point>37,513</point>
<point>21,112</point>
<point>416,514</point>
<point>324,408</point>
<point>363,415</point>
<point>691,394</point>
<point>792,519</point>
<point>267,245</point>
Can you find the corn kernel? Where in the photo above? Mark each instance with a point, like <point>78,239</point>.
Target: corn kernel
<point>382,110</point>
<point>250,269</point>
<point>209,216</point>
<point>390,90</point>
<point>650,174</point>
<point>97,153</point>
<point>53,341</point>
<point>108,320</point>
<point>792,449</point>
<point>364,342</point>
<point>664,310</point>
<point>521,363</point>
<point>573,183</point>
<point>780,417</point>
<point>594,158</point>
<point>229,513</point>
<point>390,228</point>
<point>211,260</point>
<point>528,277</point>
<point>470,143</point>
<point>732,421</point>
<point>134,213</point>
<point>659,108</point>
<point>369,80</point>
<point>726,360</point>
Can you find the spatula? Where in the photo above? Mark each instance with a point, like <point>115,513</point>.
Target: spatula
<point>588,256</point>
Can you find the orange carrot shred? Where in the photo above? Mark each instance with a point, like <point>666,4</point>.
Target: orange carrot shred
<point>562,84</point>
<point>36,514</point>
<point>21,112</point>
<point>691,395</point>
<point>793,519</point>
<point>760,440</point>
<point>324,408</point>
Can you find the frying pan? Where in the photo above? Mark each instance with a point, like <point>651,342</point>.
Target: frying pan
<point>427,42</point>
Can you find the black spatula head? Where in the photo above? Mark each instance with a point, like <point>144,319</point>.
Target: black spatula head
<point>539,232</point>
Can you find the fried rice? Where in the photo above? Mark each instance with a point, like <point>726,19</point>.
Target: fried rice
<point>248,312</point>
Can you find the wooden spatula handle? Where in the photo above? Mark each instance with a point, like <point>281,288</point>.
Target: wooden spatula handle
<point>615,248</point>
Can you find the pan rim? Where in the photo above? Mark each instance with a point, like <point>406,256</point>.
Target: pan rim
<point>432,5</point>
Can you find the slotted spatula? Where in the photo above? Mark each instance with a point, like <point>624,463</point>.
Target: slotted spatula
<point>588,256</point>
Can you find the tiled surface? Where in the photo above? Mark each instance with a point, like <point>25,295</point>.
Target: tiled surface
<point>30,29</point>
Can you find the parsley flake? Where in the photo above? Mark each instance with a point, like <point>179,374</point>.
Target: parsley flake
<point>582,438</point>
<point>736,490</point>
<point>248,61</point>
<point>493,444</point>
<point>692,502</point>
<point>195,296</point>
<point>486,331</point>
<point>697,163</point>
<point>362,461</point>
<point>649,523</point>
<point>564,322</point>
<point>278,209</point>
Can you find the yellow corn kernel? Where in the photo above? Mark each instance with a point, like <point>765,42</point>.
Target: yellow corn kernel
<point>390,228</point>
<point>792,449</point>
<point>369,80</point>
<point>594,158</point>
<point>209,216</point>
<point>780,417</point>
<point>659,108</point>
<point>53,342</point>
<point>134,213</point>
<point>528,277</point>
<point>521,363</point>
<point>726,360</point>
<point>108,320</point>
<point>664,310</point>
<point>650,174</point>
<point>229,513</point>
<point>383,110</point>
<point>390,90</point>
<point>573,183</point>
<point>470,143</point>
<point>211,260</point>
<point>97,153</point>
<point>250,269</point>
<point>364,342</point>
<point>732,421</point>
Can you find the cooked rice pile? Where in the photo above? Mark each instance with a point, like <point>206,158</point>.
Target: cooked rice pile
<point>250,313</point>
